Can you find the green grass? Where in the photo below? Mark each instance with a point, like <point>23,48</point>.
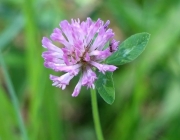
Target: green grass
<point>147,90</point>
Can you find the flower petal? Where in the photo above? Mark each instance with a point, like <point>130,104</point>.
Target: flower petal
<point>46,43</point>
<point>88,78</point>
<point>58,36</point>
<point>77,88</point>
<point>103,67</point>
<point>61,81</point>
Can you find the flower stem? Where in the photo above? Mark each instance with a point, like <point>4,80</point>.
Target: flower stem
<point>96,115</point>
<point>14,98</point>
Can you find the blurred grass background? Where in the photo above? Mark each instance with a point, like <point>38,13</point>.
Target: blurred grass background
<point>147,105</point>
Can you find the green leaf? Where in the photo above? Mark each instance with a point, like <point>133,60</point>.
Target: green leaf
<point>130,49</point>
<point>105,87</point>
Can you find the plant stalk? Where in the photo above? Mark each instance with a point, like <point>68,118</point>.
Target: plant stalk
<point>96,115</point>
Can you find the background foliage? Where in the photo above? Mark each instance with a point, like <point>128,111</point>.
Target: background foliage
<point>147,105</point>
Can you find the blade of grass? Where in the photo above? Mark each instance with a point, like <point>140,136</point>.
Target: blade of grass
<point>7,118</point>
<point>33,67</point>
<point>14,98</point>
<point>41,99</point>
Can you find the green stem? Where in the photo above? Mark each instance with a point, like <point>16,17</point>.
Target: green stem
<point>96,115</point>
<point>13,97</point>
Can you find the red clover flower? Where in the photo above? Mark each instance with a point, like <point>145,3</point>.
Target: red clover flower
<point>83,50</point>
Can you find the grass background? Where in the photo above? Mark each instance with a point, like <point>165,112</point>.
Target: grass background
<point>147,105</point>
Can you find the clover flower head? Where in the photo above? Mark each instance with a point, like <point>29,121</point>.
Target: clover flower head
<point>83,49</point>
